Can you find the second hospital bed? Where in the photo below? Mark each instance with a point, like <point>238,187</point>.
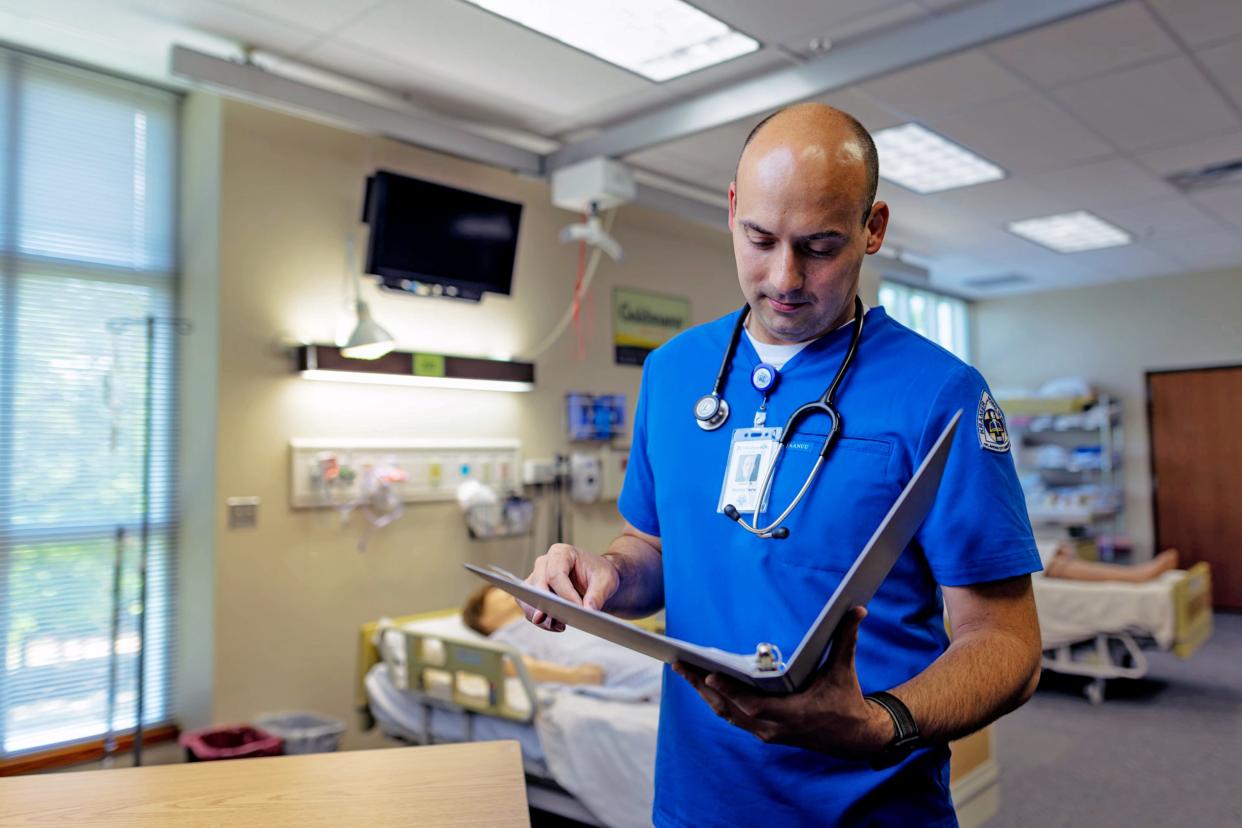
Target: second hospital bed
<point>589,753</point>
<point>1099,629</point>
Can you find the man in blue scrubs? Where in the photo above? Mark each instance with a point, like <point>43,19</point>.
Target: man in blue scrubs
<point>803,214</point>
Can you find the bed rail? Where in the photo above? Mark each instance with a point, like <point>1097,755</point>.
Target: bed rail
<point>477,676</point>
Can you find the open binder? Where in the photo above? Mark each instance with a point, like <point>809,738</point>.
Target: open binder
<point>764,668</point>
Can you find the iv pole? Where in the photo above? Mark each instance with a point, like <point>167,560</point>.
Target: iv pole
<point>118,326</point>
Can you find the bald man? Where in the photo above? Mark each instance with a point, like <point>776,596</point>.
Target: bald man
<point>865,742</point>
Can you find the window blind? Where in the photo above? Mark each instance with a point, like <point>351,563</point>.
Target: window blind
<point>942,319</point>
<point>87,254</point>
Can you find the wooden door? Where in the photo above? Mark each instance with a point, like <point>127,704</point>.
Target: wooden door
<point>1195,422</point>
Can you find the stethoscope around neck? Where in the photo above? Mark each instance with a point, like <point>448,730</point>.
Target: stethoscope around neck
<point>712,410</point>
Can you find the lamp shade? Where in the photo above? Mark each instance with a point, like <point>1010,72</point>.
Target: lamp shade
<point>369,340</point>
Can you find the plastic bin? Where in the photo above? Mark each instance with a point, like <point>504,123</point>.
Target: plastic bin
<point>304,732</point>
<point>230,742</point>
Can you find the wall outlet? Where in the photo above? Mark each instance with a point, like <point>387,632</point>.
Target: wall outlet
<point>243,512</point>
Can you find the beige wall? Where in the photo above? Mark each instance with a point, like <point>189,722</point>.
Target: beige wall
<point>1111,335</point>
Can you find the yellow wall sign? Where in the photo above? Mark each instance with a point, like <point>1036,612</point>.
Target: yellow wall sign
<point>643,321</point>
<point>428,365</point>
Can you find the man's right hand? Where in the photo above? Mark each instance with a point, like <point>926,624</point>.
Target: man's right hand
<point>575,575</point>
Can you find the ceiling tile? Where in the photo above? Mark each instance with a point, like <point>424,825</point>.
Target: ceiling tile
<point>1131,261</point>
<point>1223,202</point>
<point>1158,103</point>
<point>1200,22</point>
<point>454,49</point>
<point>706,159</point>
<point>1205,251</point>
<point>1224,63</point>
<point>1105,183</point>
<point>652,95</point>
<point>1009,199</point>
<point>426,88</point>
<point>323,16</point>
<point>866,110</point>
<point>1088,44</point>
<point>1164,219</point>
<point>1023,134</point>
<point>946,85</point>
<point>242,26</point>
<point>856,27</point>
<point>1193,155</point>
<point>791,19</point>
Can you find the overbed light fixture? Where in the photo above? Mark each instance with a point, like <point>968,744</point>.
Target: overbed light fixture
<point>328,362</point>
<point>368,340</point>
<point>658,39</point>
<point>920,160</point>
<point>1071,232</point>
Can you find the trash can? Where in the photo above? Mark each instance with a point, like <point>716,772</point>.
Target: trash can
<point>304,732</point>
<point>230,742</point>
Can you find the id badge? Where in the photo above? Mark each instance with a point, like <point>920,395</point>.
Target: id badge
<point>751,452</point>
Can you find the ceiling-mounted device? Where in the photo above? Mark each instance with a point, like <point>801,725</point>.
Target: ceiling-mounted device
<point>433,240</point>
<point>591,187</point>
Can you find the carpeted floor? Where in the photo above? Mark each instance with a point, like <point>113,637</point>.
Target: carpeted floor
<point>1163,751</point>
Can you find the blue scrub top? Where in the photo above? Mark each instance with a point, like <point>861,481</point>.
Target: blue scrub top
<point>725,588</point>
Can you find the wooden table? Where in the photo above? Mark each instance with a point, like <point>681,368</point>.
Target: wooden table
<point>478,783</point>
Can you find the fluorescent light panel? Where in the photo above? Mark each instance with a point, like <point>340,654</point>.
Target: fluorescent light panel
<point>1071,232</point>
<point>419,382</point>
<point>658,39</point>
<point>920,160</point>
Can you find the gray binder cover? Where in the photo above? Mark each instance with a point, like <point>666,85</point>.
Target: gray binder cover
<point>856,588</point>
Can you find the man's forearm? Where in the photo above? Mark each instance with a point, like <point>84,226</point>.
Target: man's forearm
<point>981,677</point>
<point>641,570</point>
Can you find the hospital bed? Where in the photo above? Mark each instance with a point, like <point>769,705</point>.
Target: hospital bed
<point>588,755</point>
<point>1099,629</point>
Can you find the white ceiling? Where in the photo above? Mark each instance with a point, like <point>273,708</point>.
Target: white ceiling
<point>1089,113</point>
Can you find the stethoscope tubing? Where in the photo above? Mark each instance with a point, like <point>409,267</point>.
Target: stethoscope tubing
<point>822,405</point>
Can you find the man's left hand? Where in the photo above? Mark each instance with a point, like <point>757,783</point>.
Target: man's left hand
<point>830,715</point>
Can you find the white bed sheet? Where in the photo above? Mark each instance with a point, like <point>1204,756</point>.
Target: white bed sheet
<point>1071,611</point>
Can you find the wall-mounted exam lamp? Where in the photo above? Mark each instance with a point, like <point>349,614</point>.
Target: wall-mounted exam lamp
<point>369,340</point>
<point>327,362</point>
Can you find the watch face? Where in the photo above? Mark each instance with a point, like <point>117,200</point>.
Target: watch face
<point>706,407</point>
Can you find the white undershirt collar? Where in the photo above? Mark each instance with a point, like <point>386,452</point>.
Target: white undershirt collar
<point>778,355</point>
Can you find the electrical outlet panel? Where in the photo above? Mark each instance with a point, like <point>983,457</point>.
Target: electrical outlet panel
<point>614,463</point>
<point>586,477</point>
<point>330,472</point>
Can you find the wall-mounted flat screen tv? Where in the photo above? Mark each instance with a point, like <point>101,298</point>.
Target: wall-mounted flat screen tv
<point>429,239</point>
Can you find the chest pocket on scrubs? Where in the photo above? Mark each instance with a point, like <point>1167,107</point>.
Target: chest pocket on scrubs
<point>853,492</point>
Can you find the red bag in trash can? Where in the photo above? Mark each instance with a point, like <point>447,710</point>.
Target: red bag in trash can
<point>231,742</point>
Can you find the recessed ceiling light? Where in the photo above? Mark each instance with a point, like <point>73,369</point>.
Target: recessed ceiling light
<point>920,160</point>
<point>658,39</point>
<point>1071,232</point>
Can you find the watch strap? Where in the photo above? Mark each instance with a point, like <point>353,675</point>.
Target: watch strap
<point>906,730</point>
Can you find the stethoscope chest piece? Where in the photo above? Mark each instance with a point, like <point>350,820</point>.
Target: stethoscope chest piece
<point>711,411</point>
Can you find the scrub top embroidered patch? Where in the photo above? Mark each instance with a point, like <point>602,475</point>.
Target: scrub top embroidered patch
<point>990,423</point>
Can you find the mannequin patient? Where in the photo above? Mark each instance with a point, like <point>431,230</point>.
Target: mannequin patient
<point>569,657</point>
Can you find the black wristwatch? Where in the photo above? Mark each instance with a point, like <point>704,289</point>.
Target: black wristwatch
<point>907,738</point>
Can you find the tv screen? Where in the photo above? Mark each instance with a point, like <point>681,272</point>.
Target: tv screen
<point>426,235</point>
